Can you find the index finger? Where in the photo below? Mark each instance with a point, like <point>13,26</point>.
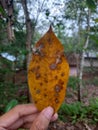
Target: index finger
<point>16,113</point>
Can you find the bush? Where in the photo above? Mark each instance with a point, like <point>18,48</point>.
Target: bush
<point>73,81</point>
<point>8,92</point>
<point>72,112</point>
<point>77,112</point>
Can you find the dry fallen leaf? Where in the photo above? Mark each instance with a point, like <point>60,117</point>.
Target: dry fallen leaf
<point>48,72</point>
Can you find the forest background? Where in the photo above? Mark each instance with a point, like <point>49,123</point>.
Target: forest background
<point>22,24</point>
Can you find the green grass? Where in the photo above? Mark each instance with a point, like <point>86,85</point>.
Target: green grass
<point>73,82</point>
<point>78,112</point>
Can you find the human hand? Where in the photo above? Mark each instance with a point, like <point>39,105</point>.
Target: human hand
<point>27,116</point>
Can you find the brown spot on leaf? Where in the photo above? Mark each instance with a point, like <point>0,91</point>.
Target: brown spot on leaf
<point>38,75</point>
<point>45,74</point>
<point>35,102</point>
<point>62,74</point>
<point>61,82</point>
<point>38,67</point>
<point>56,100</point>
<point>45,95</point>
<point>57,88</point>
<point>34,88</point>
<point>37,91</point>
<point>53,66</point>
<point>41,84</point>
<point>56,77</point>
<point>46,80</point>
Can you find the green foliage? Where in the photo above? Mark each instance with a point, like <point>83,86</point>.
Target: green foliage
<point>93,42</point>
<point>91,4</point>
<point>96,20</point>
<point>72,82</point>
<point>5,68</point>
<point>75,9</point>
<point>8,92</point>
<point>77,112</point>
<point>74,112</point>
<point>2,11</point>
<point>93,109</point>
<point>72,43</point>
<point>11,104</point>
<point>47,12</point>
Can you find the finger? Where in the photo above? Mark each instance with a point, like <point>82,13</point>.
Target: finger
<point>27,125</point>
<point>55,117</point>
<point>16,113</point>
<point>22,122</point>
<point>43,120</point>
<point>30,118</point>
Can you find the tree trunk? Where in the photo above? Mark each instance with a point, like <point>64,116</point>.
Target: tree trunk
<point>8,6</point>
<point>82,58</point>
<point>78,71</point>
<point>81,67</point>
<point>28,31</point>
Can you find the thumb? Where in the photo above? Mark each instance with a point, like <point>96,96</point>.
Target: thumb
<point>43,120</point>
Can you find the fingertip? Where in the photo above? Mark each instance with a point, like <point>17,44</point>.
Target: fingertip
<point>43,119</point>
<point>55,117</point>
<point>48,112</point>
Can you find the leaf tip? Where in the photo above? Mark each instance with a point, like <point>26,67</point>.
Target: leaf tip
<point>50,28</point>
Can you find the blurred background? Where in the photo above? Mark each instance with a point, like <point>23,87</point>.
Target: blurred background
<point>24,22</point>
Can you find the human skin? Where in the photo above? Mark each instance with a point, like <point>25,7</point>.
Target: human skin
<point>27,116</point>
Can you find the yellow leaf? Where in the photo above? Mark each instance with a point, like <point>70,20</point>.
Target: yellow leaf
<point>48,72</point>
